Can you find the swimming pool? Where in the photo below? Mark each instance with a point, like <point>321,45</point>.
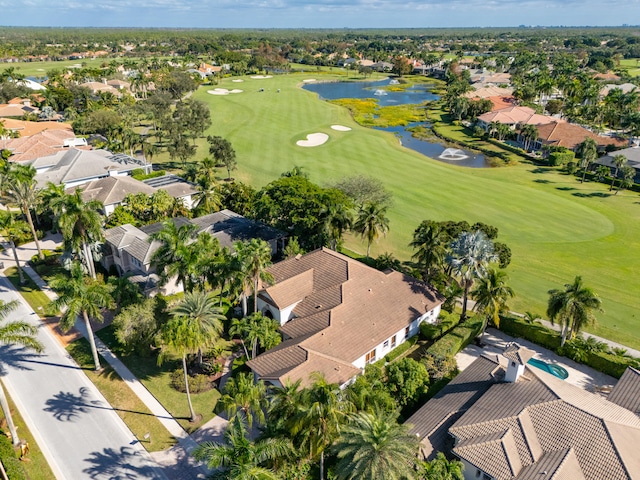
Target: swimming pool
<point>556,370</point>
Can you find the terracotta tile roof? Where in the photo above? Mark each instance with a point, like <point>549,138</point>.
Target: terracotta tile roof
<point>517,115</point>
<point>344,309</point>
<point>489,91</point>
<point>27,129</point>
<point>42,144</point>
<point>570,135</point>
<point>606,76</point>
<point>626,393</point>
<point>14,110</point>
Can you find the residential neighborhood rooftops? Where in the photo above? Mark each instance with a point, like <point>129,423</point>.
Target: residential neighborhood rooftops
<point>515,115</point>
<point>41,144</point>
<point>546,424</point>
<point>570,135</point>
<point>27,129</point>
<point>110,190</point>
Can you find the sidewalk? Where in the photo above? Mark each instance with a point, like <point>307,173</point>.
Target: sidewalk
<point>176,461</point>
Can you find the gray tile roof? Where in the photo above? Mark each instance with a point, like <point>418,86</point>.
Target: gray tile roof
<point>112,190</point>
<point>626,393</point>
<point>518,354</point>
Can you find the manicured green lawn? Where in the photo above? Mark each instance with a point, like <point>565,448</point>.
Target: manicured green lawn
<point>632,65</point>
<point>30,291</point>
<point>556,227</point>
<point>40,69</point>
<point>157,380</point>
<point>127,405</point>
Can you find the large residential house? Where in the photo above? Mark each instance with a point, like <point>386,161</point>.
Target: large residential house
<point>514,116</point>
<point>507,420</point>
<point>111,191</point>
<point>130,249</point>
<point>632,155</point>
<point>570,135</point>
<point>49,141</point>
<point>337,315</point>
<point>75,167</point>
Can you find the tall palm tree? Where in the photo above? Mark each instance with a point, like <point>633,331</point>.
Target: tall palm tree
<point>207,198</point>
<point>491,295</point>
<point>79,295</point>
<point>11,229</point>
<point>173,257</point>
<point>125,292</point>
<point>22,191</point>
<point>256,330</point>
<point>284,404</point>
<point>529,134</point>
<point>440,468</point>
<point>242,396</point>
<point>371,222</point>
<point>255,257</point>
<point>619,161</point>
<point>320,423</point>
<point>18,333</point>
<point>240,459</point>
<point>338,218</point>
<point>573,307</point>
<point>81,225</point>
<point>429,243</point>
<point>588,153</point>
<point>204,318</point>
<point>373,446</point>
<point>53,197</point>
<point>470,256</point>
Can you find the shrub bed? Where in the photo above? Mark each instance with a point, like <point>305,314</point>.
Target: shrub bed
<point>12,465</point>
<point>430,331</point>
<point>458,338</point>
<point>197,383</point>
<point>396,352</point>
<point>139,174</point>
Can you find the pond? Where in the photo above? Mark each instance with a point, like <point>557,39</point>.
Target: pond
<point>416,94</point>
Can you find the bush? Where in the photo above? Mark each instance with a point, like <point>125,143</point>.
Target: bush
<point>12,466</point>
<point>139,174</point>
<point>610,364</point>
<point>396,352</point>
<point>197,383</point>
<point>561,158</point>
<point>536,333</point>
<point>439,367</point>
<point>458,338</point>
<point>430,331</point>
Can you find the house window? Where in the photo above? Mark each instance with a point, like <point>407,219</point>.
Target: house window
<point>371,356</point>
<point>478,473</point>
<point>385,344</point>
<point>513,364</point>
<point>393,342</point>
<point>486,477</point>
<point>406,331</point>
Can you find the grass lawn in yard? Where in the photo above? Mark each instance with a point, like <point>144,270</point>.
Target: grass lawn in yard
<point>157,380</point>
<point>37,467</point>
<point>30,291</point>
<point>556,227</point>
<point>127,405</point>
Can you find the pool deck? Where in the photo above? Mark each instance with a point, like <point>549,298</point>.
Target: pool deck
<point>579,375</point>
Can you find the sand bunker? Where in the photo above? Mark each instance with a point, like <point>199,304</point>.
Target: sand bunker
<point>309,80</point>
<point>237,80</point>
<point>313,140</point>
<point>222,91</point>
<point>259,77</point>
<point>341,128</point>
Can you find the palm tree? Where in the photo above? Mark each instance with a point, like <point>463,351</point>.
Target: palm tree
<point>284,404</point>
<point>619,161</point>
<point>53,197</point>
<point>429,243</point>
<point>573,307</point>
<point>202,317</point>
<point>529,134</point>
<point>240,459</point>
<point>470,255</point>
<point>628,174</point>
<point>22,191</point>
<point>256,330</point>
<point>79,295</point>
<point>12,229</point>
<point>18,333</point>
<point>242,396</point>
<point>440,468</point>
<point>207,198</point>
<point>376,447</point>
<point>255,257</point>
<point>173,257</point>
<point>588,153</point>
<point>338,218</point>
<point>491,295</point>
<point>125,292</point>
<point>371,222</point>
<point>81,224</point>
<point>319,424</point>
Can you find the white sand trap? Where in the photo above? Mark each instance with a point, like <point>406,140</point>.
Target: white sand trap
<point>340,128</point>
<point>235,90</point>
<point>237,80</point>
<point>218,91</point>
<point>309,80</point>
<point>313,140</point>
<point>260,77</point>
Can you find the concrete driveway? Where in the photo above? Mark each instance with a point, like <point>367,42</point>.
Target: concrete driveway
<point>78,431</point>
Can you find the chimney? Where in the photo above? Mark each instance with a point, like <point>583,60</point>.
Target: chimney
<point>517,357</point>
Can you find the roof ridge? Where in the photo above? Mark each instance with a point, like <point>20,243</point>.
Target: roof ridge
<point>615,446</point>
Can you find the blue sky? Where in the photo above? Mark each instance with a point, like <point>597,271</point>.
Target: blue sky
<point>316,13</point>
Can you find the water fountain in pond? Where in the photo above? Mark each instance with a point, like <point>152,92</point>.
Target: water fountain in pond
<point>453,154</point>
<point>393,81</point>
<point>380,93</point>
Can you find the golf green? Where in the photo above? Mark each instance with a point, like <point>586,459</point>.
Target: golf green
<point>556,227</point>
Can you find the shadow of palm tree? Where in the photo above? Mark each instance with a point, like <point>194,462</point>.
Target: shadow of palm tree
<point>16,357</point>
<point>126,464</point>
<point>591,195</point>
<point>67,406</point>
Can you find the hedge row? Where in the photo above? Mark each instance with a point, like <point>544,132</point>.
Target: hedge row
<point>12,466</point>
<point>613,365</point>
<point>517,150</point>
<point>396,352</point>
<point>458,338</point>
<point>433,331</point>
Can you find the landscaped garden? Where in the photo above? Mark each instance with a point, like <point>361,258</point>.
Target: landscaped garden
<point>556,227</point>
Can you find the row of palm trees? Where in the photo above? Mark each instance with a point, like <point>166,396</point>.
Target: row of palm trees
<point>304,425</point>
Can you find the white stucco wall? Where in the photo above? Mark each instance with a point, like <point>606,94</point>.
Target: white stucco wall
<point>282,316</point>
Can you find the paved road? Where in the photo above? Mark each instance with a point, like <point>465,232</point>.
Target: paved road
<point>79,433</point>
